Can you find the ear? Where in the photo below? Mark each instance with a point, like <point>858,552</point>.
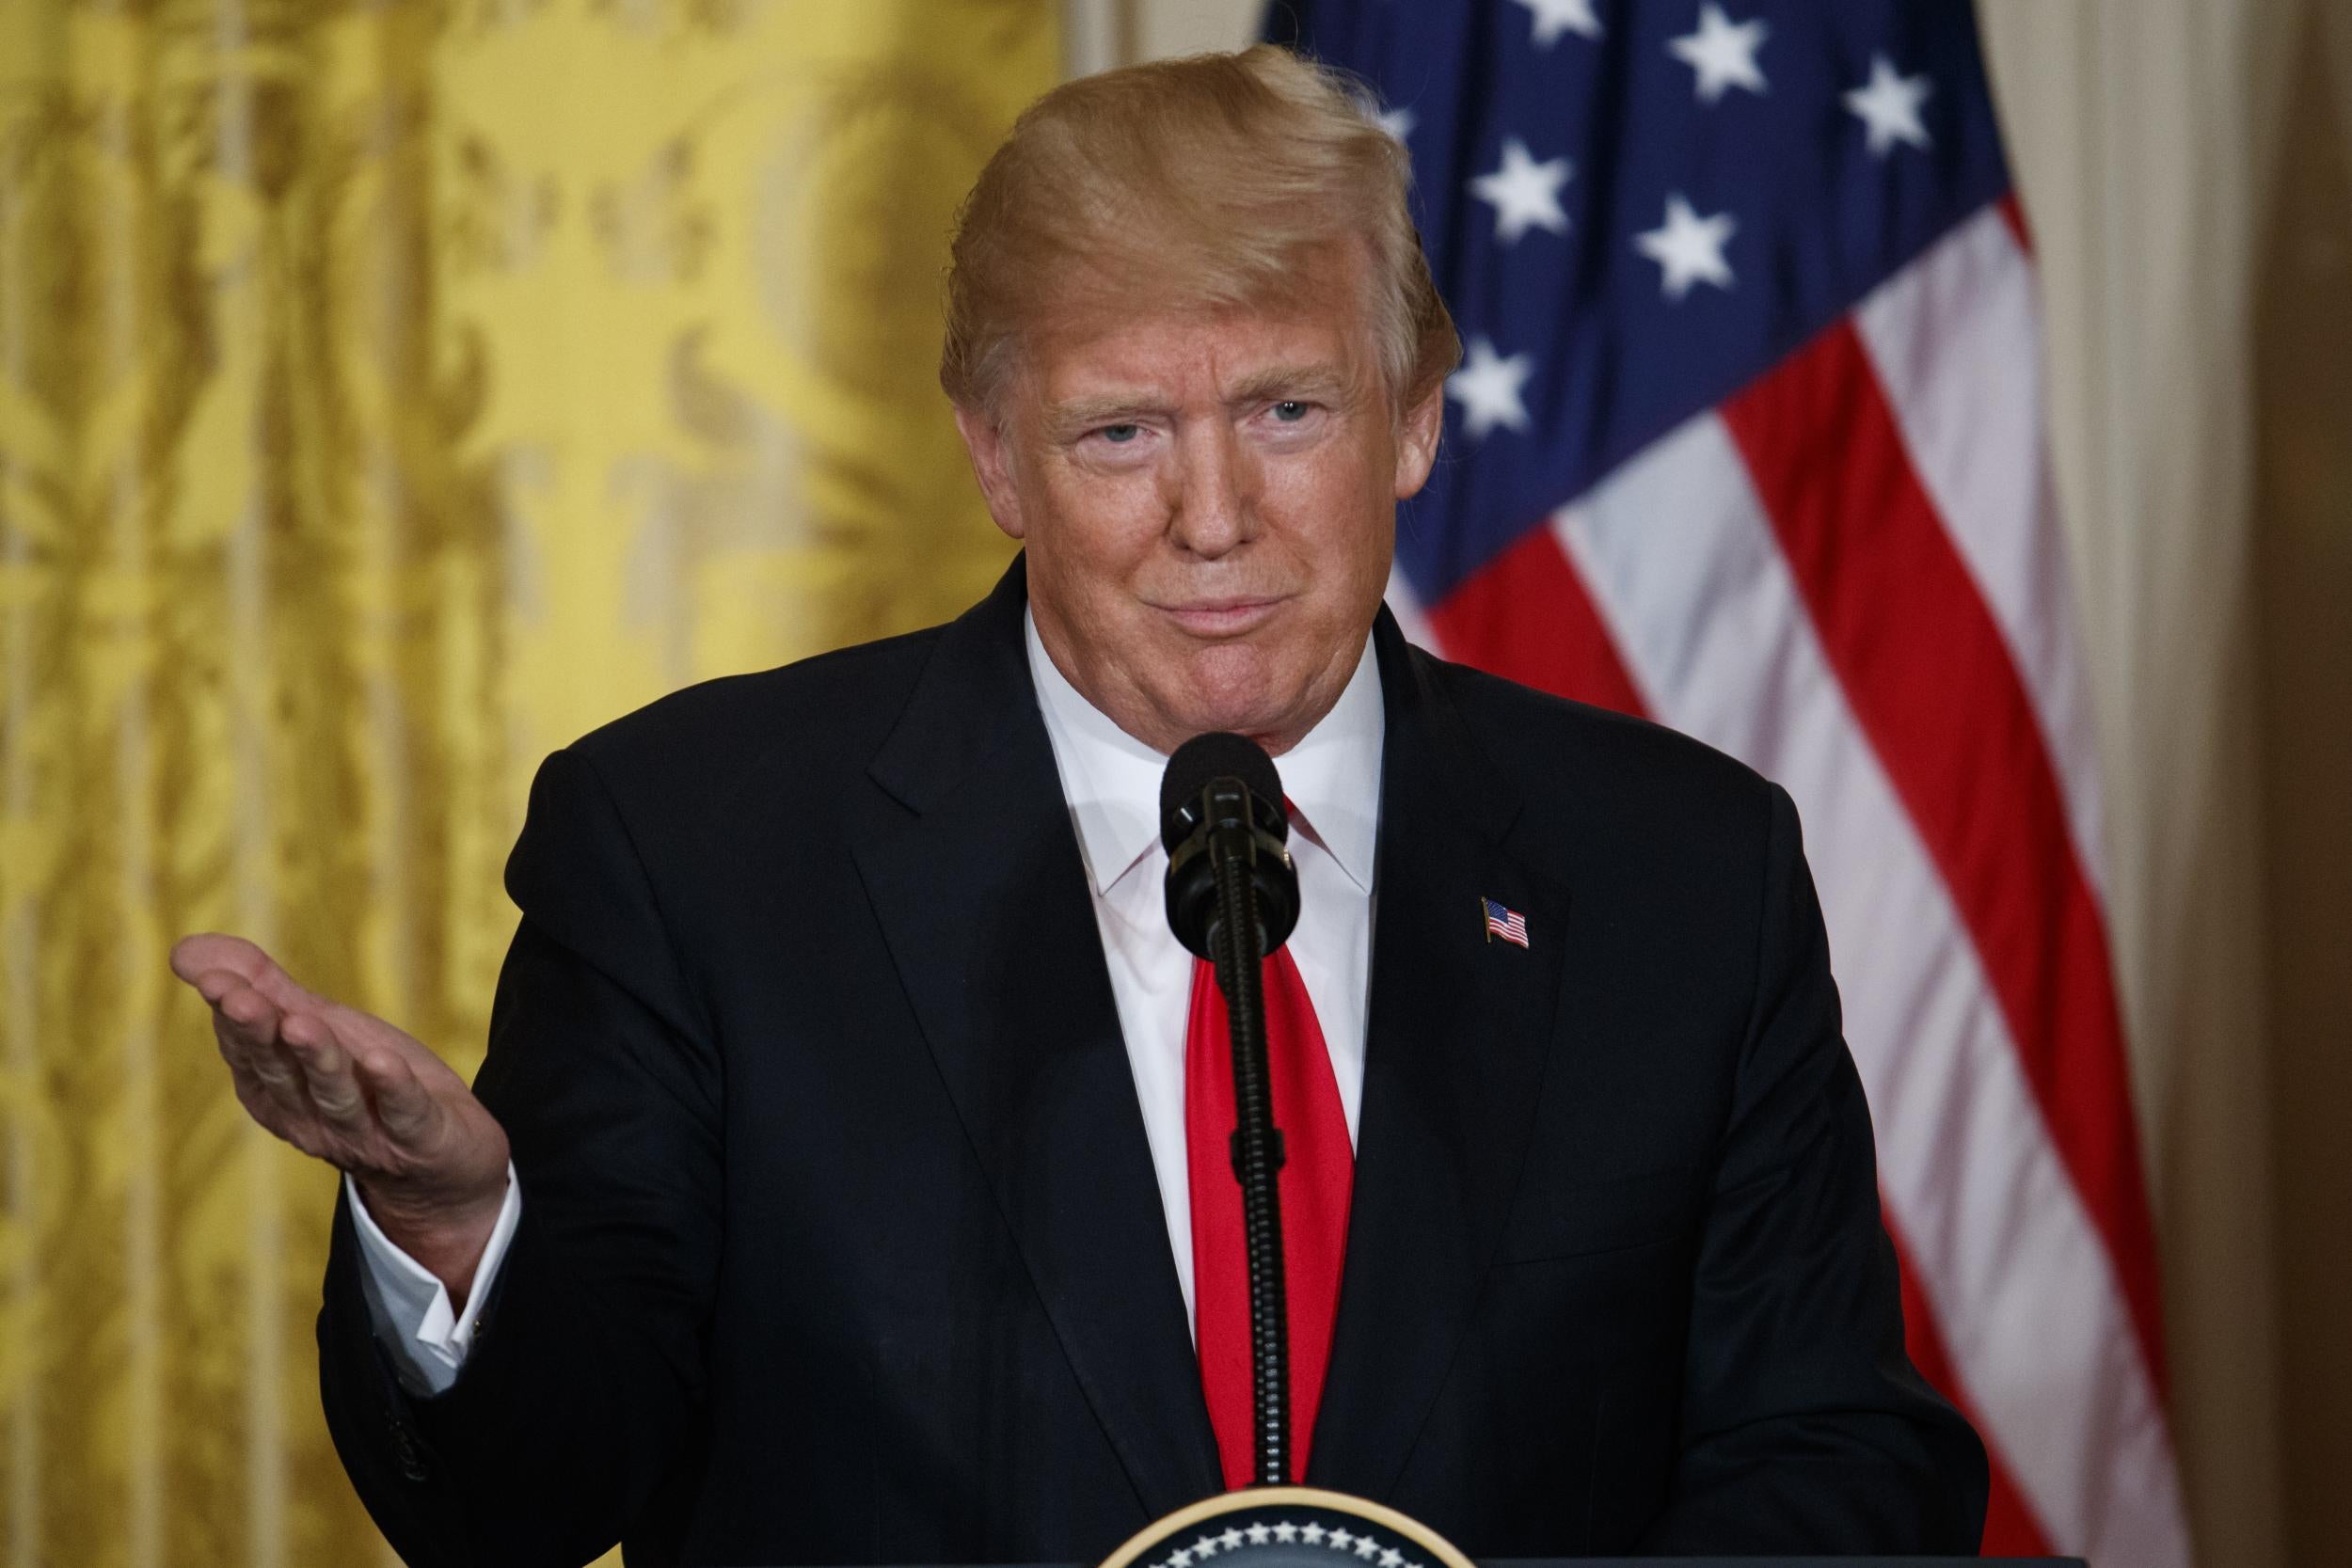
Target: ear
<point>991,452</point>
<point>1417,442</point>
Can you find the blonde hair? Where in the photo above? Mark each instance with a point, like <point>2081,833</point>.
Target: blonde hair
<point>1215,181</point>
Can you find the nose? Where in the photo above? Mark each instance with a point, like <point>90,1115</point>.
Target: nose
<point>1213,489</point>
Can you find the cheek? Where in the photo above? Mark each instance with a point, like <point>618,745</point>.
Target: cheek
<point>1096,530</point>
<point>1340,517</point>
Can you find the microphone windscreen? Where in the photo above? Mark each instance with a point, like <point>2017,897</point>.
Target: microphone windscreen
<point>1218,755</point>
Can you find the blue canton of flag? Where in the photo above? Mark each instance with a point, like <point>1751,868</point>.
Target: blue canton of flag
<point>1635,210</point>
<point>1508,923</point>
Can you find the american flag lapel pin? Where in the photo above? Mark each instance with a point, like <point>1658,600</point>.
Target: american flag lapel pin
<point>1508,923</point>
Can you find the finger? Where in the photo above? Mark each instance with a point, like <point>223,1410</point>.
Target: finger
<point>246,1023</point>
<point>365,1032</point>
<point>401,1101</point>
<point>198,958</point>
<point>326,1071</point>
<point>303,1131</point>
<point>248,1026</point>
<point>281,1078</point>
<point>209,951</point>
<point>214,984</point>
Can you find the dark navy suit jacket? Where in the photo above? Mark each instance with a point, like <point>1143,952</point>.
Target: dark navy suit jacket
<point>840,1238</point>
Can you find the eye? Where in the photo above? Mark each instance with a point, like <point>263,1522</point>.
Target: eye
<point>1289,411</point>
<point>1119,434</point>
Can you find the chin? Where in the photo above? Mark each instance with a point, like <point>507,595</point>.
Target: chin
<point>1233,677</point>
<point>1236,689</point>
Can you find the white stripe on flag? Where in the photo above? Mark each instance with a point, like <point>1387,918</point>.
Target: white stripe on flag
<point>1406,606</point>
<point>1686,570</point>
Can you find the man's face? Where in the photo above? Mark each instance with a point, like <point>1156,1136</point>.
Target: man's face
<point>1208,502</point>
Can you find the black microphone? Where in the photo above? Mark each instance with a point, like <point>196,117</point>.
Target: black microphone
<point>1232,899</point>
<point>1221,800</point>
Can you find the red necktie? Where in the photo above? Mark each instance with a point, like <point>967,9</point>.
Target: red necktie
<point>1317,1176</point>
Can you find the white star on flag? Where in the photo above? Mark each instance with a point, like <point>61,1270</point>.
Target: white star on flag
<point>1398,123</point>
<point>1889,103</point>
<point>1524,193</point>
<point>1488,387</point>
<point>1689,248</point>
<point>1722,53</point>
<point>1554,17</point>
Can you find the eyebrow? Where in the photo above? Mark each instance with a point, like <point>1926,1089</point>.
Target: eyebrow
<point>1286,381</point>
<point>1291,381</point>
<point>1077,414</point>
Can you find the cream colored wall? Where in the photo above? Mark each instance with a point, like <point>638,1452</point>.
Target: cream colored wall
<point>2201,432</point>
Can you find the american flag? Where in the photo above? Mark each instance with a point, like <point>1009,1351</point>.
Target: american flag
<point>1748,438</point>
<point>1508,923</point>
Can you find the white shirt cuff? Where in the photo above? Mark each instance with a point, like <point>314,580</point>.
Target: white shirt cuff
<point>411,1308</point>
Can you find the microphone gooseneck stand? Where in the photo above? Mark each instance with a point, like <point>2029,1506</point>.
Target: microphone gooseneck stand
<point>1235,939</point>
<point>1232,900</point>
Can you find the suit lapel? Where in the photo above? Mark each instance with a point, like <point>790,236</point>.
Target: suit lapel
<point>982,898</point>
<point>1454,1052</point>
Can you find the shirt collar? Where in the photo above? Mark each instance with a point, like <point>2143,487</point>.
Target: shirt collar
<point>1112,781</point>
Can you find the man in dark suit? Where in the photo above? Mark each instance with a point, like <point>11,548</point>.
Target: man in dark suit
<point>830,1191</point>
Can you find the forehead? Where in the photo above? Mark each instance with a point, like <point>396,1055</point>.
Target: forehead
<point>1092,330</point>
<point>1195,348</point>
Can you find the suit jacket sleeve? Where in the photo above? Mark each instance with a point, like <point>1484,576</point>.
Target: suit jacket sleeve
<point>1805,1427</point>
<point>581,1396</point>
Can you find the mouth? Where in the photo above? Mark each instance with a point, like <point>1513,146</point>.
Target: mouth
<point>1223,617</point>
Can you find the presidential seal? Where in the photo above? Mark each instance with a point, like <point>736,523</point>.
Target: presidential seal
<point>1286,1526</point>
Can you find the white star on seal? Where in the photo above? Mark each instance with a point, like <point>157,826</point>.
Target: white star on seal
<point>1689,248</point>
<point>1286,1534</point>
<point>1180,1560</point>
<point>1554,17</point>
<point>1366,1547</point>
<point>1488,387</point>
<point>1230,1540</point>
<point>1392,1559</point>
<point>1313,1535</point>
<point>1722,53</point>
<point>1889,103</point>
<point>1524,193</point>
<point>1205,1548</point>
<point>1341,1541</point>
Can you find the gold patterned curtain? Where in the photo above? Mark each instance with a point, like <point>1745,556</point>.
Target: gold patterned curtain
<point>390,392</point>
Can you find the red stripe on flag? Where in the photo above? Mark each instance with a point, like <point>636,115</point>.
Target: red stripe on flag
<point>1931,684</point>
<point>1525,615</point>
<point>2011,1528</point>
<point>2013,214</point>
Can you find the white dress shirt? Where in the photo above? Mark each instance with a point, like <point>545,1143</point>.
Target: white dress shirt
<point>1111,782</point>
<point>411,1308</point>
